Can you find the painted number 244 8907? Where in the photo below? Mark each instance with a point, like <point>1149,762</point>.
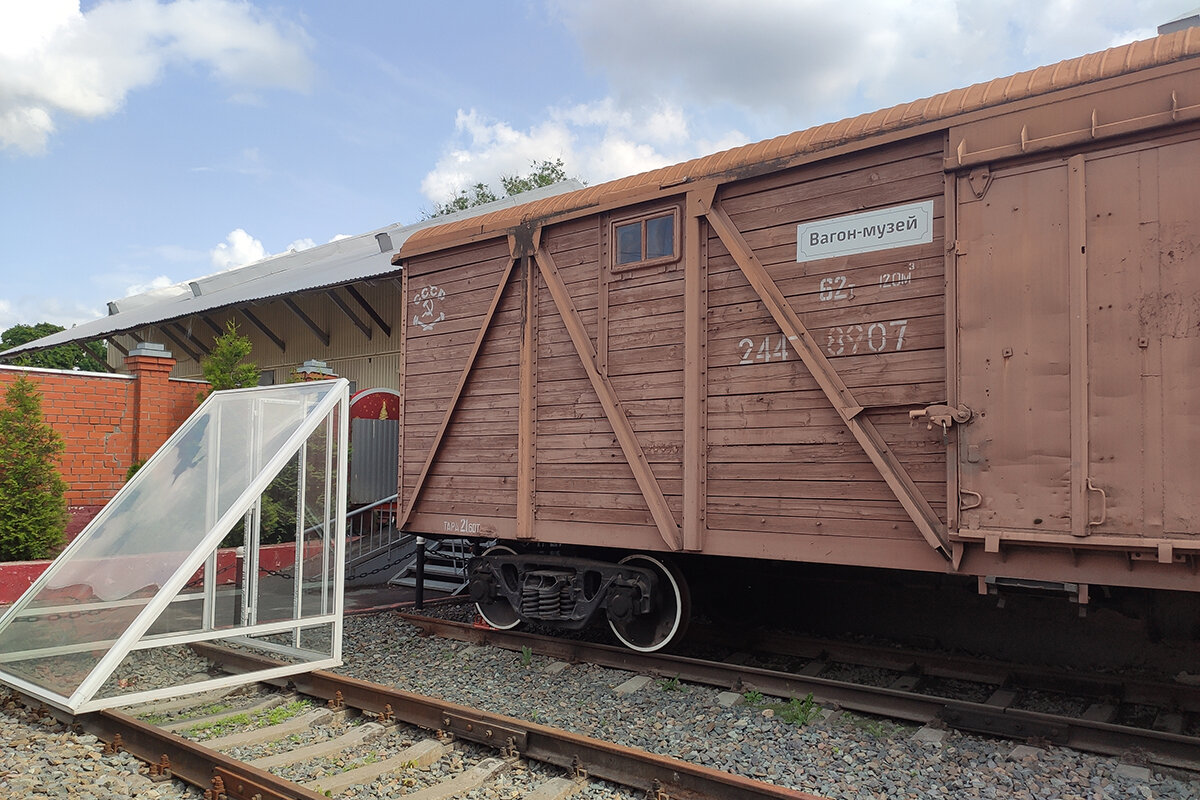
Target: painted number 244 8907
<point>874,338</point>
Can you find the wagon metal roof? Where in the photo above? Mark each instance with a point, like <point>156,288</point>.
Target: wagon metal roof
<point>1031,83</point>
<point>347,260</point>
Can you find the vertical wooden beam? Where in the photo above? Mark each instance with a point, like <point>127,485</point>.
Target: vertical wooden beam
<point>1154,507</point>
<point>864,431</point>
<point>950,241</point>
<point>402,284</point>
<point>527,412</point>
<point>1077,283</point>
<point>602,282</point>
<point>626,438</point>
<point>695,367</point>
<point>452,405</point>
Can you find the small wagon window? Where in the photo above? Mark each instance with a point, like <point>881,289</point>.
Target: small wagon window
<point>645,240</point>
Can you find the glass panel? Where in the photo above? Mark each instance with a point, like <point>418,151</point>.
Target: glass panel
<point>277,546</point>
<point>104,580</point>
<point>318,521</point>
<point>660,237</point>
<point>158,668</point>
<point>629,243</point>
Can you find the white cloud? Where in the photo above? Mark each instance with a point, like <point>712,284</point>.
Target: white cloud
<point>238,249</point>
<point>597,141</point>
<point>813,61</point>
<point>676,68</point>
<point>160,282</point>
<point>32,310</point>
<point>55,60</point>
<point>300,244</point>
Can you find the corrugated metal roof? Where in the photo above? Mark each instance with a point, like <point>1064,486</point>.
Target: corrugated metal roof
<point>353,258</point>
<point>1065,74</point>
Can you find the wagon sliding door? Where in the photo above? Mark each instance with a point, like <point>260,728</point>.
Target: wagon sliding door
<point>1080,343</point>
<point>825,328</point>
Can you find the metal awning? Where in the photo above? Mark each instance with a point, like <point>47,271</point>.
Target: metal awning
<point>345,261</point>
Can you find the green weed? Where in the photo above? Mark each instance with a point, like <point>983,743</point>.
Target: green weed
<point>799,712</point>
<point>672,685</point>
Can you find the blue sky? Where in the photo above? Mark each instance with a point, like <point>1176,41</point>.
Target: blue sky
<point>144,143</point>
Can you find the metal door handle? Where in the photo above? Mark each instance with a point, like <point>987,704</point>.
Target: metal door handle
<point>1103,505</point>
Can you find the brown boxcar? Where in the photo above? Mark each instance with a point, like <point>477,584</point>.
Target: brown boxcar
<point>960,335</point>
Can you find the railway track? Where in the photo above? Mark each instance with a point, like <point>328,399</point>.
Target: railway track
<point>986,697</point>
<point>481,747</point>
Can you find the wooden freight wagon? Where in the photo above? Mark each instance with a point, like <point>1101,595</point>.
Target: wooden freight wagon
<point>960,335</point>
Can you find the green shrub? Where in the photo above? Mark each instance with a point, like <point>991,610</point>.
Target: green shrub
<point>33,504</point>
<point>224,367</point>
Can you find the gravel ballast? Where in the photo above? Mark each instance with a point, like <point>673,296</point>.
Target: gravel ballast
<point>834,755</point>
<point>844,756</point>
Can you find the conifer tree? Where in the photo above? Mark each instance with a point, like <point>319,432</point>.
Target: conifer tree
<point>33,505</point>
<point>224,367</point>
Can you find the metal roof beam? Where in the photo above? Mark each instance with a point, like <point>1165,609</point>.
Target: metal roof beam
<point>349,312</point>
<point>124,351</point>
<point>262,326</point>
<point>214,327</point>
<point>178,342</point>
<point>187,334</point>
<point>312,326</point>
<point>371,312</point>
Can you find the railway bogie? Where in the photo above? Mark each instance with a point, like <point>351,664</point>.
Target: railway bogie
<point>644,598</point>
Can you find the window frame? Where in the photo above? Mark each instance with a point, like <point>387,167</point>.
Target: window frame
<point>643,218</point>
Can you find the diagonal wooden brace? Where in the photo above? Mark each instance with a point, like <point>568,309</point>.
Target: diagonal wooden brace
<point>872,442</point>
<point>651,491</point>
<point>452,405</point>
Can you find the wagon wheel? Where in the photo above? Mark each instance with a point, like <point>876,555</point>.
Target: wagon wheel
<point>498,612</point>
<point>668,621</point>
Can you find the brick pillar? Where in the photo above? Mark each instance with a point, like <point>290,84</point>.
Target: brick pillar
<point>151,364</point>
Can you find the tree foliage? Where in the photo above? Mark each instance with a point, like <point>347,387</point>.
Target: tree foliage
<point>225,367</point>
<point>33,505</point>
<point>542,173</point>
<point>90,356</point>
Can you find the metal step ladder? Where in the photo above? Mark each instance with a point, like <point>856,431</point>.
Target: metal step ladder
<point>445,567</point>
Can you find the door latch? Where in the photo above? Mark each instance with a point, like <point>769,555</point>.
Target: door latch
<point>943,415</point>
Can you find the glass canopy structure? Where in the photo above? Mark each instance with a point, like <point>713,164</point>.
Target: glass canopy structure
<point>232,533</point>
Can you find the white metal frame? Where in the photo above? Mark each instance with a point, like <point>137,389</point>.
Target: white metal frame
<point>330,410</point>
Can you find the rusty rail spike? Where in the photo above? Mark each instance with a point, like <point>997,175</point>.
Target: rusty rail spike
<point>336,701</point>
<point>162,770</point>
<point>217,792</point>
<point>510,749</point>
<point>115,746</point>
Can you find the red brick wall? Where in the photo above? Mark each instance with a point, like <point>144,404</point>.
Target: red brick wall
<point>107,422</point>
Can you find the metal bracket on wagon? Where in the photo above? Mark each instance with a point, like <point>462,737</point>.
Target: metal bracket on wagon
<point>943,415</point>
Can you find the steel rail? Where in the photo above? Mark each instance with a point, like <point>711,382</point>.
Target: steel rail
<point>1128,689</point>
<point>189,761</point>
<point>1160,747</point>
<point>628,766</point>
